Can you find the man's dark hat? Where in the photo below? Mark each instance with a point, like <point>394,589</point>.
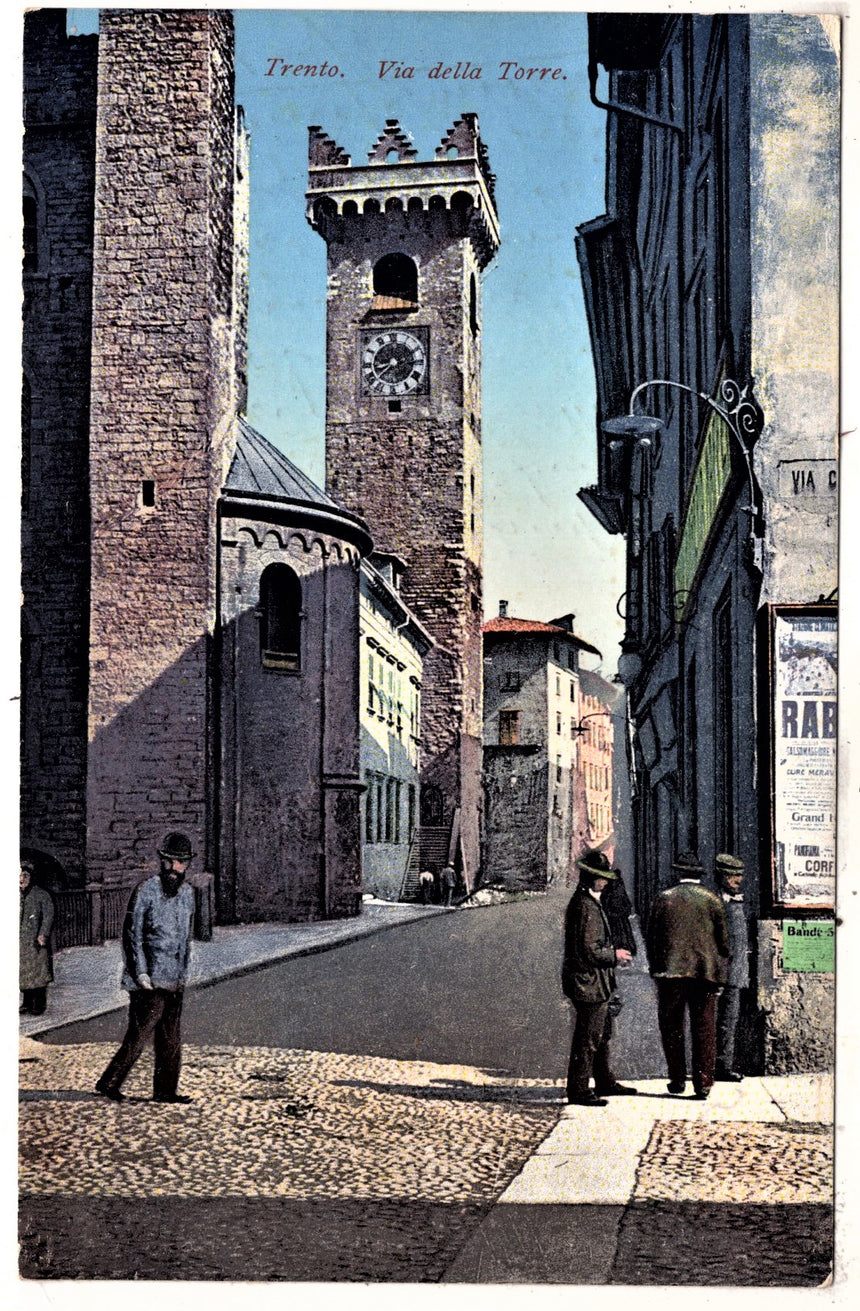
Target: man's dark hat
<point>688,863</point>
<point>176,846</point>
<point>596,864</point>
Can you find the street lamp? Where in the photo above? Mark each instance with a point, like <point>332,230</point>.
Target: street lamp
<point>597,714</point>
<point>740,413</point>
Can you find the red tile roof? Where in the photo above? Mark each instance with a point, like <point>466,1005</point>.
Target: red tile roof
<point>534,626</point>
<point>499,625</point>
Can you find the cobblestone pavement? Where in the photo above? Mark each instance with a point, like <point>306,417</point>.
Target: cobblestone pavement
<point>690,1161</point>
<point>740,1204</point>
<point>724,1244</point>
<point>271,1123</point>
<point>398,1149</point>
<point>304,1165</point>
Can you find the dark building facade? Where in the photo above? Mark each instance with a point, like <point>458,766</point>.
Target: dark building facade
<point>59,192</point>
<point>190,600</point>
<point>722,150</point>
<point>407,241</point>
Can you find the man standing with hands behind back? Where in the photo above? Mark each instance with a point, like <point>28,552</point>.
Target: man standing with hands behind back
<point>156,941</point>
<point>688,952</point>
<point>588,981</point>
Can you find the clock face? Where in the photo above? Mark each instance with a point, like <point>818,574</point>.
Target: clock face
<point>394,362</point>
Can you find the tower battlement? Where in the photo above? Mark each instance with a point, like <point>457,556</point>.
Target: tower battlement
<point>458,180</point>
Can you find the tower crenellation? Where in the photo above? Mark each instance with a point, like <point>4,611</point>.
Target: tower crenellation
<point>392,140</point>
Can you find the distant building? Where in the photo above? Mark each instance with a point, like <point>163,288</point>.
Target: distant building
<point>393,647</point>
<point>594,759</point>
<point>535,801</point>
<point>715,268</point>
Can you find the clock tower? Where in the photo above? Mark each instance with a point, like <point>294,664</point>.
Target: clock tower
<point>407,242</point>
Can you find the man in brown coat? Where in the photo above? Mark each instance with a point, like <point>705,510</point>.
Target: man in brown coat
<point>588,980</point>
<point>688,952</point>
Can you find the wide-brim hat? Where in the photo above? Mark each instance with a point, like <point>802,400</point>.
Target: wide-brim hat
<point>688,863</point>
<point>727,864</point>
<point>176,846</point>
<point>596,864</point>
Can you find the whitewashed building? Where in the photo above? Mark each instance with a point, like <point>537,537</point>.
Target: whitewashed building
<point>393,646</point>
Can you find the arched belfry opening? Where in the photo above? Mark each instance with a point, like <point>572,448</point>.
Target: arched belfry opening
<point>396,277</point>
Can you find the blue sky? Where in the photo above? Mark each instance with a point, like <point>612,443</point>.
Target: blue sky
<point>543,552</point>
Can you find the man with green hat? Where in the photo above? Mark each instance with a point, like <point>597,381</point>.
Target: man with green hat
<point>588,981</point>
<point>729,871</point>
<point>156,939</point>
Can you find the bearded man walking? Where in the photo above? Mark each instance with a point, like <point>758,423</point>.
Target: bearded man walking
<point>156,941</point>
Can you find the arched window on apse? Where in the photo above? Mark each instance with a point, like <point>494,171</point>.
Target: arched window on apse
<point>395,277</point>
<point>280,618</point>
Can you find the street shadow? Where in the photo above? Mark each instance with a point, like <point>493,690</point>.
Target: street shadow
<point>458,1090</point>
<point>56,1095</point>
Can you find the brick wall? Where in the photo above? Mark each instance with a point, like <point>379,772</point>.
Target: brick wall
<point>163,398</point>
<point>59,163</point>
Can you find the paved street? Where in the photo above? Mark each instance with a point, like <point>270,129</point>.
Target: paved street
<point>390,1110</point>
<point>479,987</point>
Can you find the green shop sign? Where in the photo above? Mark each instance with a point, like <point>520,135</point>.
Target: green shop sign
<point>809,946</point>
<point>711,478</point>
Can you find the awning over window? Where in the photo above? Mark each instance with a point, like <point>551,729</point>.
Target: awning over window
<point>393,303</point>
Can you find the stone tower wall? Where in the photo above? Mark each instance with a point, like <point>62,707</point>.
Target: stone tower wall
<point>416,475</point>
<point>59,166</point>
<point>163,401</point>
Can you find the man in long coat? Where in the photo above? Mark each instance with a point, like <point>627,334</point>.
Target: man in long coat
<point>156,942</point>
<point>34,944</point>
<point>688,952</point>
<point>730,876</point>
<point>588,981</point>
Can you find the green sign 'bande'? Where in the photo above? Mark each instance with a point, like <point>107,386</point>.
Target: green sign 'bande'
<point>808,946</point>
<point>710,480</point>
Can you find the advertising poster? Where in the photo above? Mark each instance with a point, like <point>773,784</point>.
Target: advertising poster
<point>423,413</point>
<point>805,774</point>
